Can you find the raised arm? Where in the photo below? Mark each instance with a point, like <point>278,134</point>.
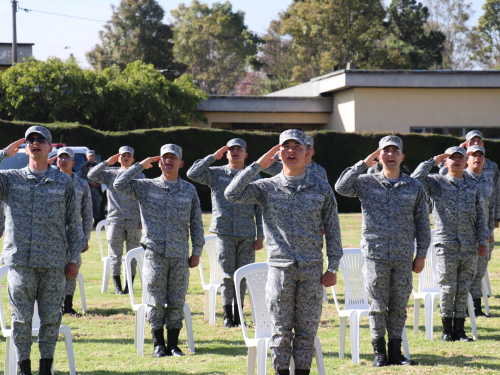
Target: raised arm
<point>200,172</point>
<point>422,171</point>
<point>7,152</point>
<point>275,168</point>
<point>127,184</point>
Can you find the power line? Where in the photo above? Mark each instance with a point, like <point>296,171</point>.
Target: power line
<point>61,15</point>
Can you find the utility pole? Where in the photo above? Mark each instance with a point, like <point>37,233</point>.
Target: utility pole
<point>14,37</point>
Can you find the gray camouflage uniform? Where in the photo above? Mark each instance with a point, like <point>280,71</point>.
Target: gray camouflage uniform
<point>233,223</point>
<point>488,201</point>
<point>393,217</point>
<point>124,219</point>
<point>2,218</point>
<point>292,216</point>
<point>460,225</point>
<point>43,224</point>
<point>169,212</point>
<point>84,201</point>
<point>277,166</point>
<point>94,191</point>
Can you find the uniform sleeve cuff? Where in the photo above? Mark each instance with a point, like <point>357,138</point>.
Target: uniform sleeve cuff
<point>197,250</point>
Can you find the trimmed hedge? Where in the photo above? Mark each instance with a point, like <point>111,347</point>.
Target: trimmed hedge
<point>335,151</point>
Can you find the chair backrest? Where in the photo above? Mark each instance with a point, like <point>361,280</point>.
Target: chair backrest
<point>256,277</point>
<point>215,270</point>
<point>427,278</point>
<point>138,255</point>
<point>3,272</point>
<point>351,265</point>
<point>98,228</point>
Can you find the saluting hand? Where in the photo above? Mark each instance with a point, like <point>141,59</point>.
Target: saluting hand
<point>440,158</point>
<point>52,160</point>
<point>370,160</point>
<point>113,159</point>
<point>13,148</point>
<point>266,159</point>
<point>465,144</point>
<point>148,162</point>
<point>220,153</point>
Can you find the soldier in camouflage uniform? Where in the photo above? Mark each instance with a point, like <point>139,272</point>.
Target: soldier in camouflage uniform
<point>124,220</point>
<point>2,218</point>
<point>170,210</point>
<point>395,214</point>
<point>65,162</point>
<point>295,204</point>
<point>43,226</point>
<point>233,223</point>
<point>460,225</point>
<point>95,188</point>
<point>277,166</point>
<point>475,162</point>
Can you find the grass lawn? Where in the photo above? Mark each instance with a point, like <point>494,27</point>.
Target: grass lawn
<point>104,337</point>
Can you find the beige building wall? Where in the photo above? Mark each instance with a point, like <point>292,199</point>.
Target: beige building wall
<point>218,119</point>
<point>343,118</point>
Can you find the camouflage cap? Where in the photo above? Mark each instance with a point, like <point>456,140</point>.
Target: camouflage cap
<point>237,142</point>
<point>125,149</point>
<point>390,140</point>
<point>456,149</point>
<point>295,134</point>
<point>44,132</point>
<point>472,134</point>
<point>476,148</point>
<point>171,148</point>
<point>310,141</point>
<point>66,150</point>
<point>90,152</point>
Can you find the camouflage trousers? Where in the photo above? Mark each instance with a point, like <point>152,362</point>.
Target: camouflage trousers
<point>482,265</point>
<point>96,201</point>
<point>167,281</point>
<point>388,285</point>
<point>455,271</point>
<point>46,286</point>
<point>71,283</point>
<point>233,253</point>
<point>118,232</point>
<point>294,301</point>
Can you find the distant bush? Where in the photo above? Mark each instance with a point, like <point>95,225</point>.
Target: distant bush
<point>138,97</point>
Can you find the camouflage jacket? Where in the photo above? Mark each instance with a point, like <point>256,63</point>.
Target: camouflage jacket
<point>292,217</point>
<point>169,213</point>
<point>43,222</point>
<point>277,166</point>
<point>2,218</point>
<point>120,206</point>
<point>84,170</point>
<point>458,214</point>
<point>84,201</point>
<point>393,216</point>
<point>487,187</point>
<point>234,219</point>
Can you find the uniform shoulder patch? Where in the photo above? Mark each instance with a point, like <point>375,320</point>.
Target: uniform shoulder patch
<point>56,191</point>
<point>155,195</point>
<point>20,187</point>
<point>318,197</point>
<point>277,195</point>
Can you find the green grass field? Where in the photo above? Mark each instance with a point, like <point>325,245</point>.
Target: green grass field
<point>104,337</point>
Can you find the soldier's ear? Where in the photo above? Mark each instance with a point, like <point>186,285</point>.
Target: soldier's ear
<point>181,164</point>
<point>403,157</point>
<point>246,155</point>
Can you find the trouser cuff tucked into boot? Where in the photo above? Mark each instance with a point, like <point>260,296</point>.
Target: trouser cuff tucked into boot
<point>477,308</point>
<point>459,331</point>
<point>24,367</point>
<point>380,351</point>
<point>46,366</point>
<point>228,317</point>
<point>236,316</point>
<point>447,330</point>
<point>159,343</point>
<point>395,357</point>
<point>68,307</point>
<point>118,284</point>
<point>173,342</point>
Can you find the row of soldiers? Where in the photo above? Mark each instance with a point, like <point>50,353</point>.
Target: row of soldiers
<point>292,210</point>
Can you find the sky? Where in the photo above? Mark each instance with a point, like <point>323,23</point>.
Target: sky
<point>61,36</point>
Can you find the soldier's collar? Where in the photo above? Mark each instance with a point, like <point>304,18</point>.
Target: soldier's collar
<point>403,178</point>
<point>158,181</point>
<point>306,182</point>
<point>229,171</point>
<point>471,175</point>
<point>50,176</point>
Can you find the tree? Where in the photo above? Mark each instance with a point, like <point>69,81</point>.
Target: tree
<point>136,32</point>
<point>450,17</point>
<point>485,42</point>
<point>214,43</point>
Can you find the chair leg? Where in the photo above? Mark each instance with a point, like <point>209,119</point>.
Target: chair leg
<point>428,309</point>
<point>68,340</point>
<point>343,329</point>
<point>354,327</point>
<point>206,310</point>
<point>82,292</point>
<point>140,326</point>
<point>487,277</point>
<point>105,275</point>
<point>472,317</point>
<point>189,326</point>
<point>325,295</point>
<point>252,356</point>
<point>319,356</point>
<point>406,348</point>
<point>485,297</point>
<point>213,299</point>
<point>262,357</point>
<point>416,315</point>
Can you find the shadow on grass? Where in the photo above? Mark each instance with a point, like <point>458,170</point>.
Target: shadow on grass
<point>151,372</point>
<point>109,312</point>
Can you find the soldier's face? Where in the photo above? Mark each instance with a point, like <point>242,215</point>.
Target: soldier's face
<point>90,158</point>
<point>292,153</point>
<point>171,163</point>
<point>126,159</point>
<point>391,157</point>
<point>38,147</point>
<point>455,162</point>
<point>65,163</point>
<point>310,153</point>
<point>476,161</point>
<point>236,153</point>
<point>476,141</point>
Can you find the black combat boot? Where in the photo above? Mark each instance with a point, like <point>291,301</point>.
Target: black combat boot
<point>302,372</point>
<point>380,351</point>
<point>283,372</point>
<point>46,366</point>
<point>159,343</point>
<point>236,316</point>
<point>125,290</point>
<point>459,331</point>
<point>447,329</point>
<point>477,308</point>
<point>24,367</point>
<point>172,342</point>
<point>228,317</point>
<point>68,307</point>
<point>118,284</point>
<point>395,357</point>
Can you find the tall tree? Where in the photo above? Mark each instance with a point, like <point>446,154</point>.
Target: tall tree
<point>214,43</point>
<point>136,32</point>
<point>486,40</point>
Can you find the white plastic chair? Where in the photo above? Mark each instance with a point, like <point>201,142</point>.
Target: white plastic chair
<point>82,292</point>
<point>10,366</point>
<point>356,303</point>
<point>140,308</point>
<point>256,277</point>
<point>215,279</point>
<point>485,294</point>
<point>106,260</point>
<point>488,285</point>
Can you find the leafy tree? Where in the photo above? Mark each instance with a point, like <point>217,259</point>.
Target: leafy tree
<point>136,32</point>
<point>485,43</point>
<point>214,43</point>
